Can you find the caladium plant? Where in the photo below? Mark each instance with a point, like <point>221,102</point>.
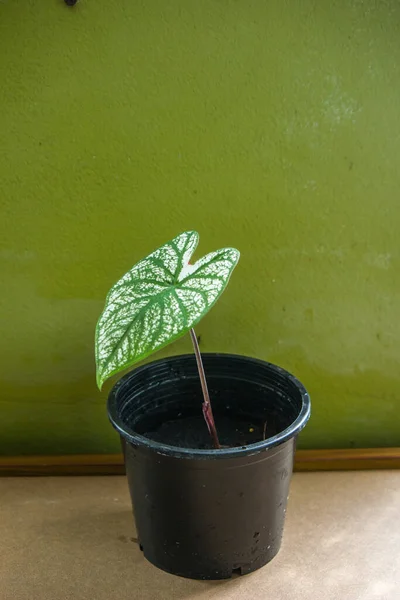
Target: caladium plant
<point>158,301</point>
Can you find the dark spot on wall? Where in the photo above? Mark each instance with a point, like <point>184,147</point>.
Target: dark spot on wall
<point>309,315</point>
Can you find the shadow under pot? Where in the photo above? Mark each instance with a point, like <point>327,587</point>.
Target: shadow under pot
<point>203,513</point>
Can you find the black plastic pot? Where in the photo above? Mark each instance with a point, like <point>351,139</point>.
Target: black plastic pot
<point>204,513</point>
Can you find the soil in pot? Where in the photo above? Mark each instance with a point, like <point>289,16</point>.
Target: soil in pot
<point>191,431</point>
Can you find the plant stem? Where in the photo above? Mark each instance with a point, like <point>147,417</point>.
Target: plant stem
<point>207,410</point>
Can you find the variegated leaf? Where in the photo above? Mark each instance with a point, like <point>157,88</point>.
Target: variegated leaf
<point>158,301</point>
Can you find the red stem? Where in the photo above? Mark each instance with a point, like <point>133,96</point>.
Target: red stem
<point>207,410</point>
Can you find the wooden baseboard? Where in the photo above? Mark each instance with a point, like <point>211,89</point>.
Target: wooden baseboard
<point>347,460</point>
<point>78,464</point>
<point>112,464</point>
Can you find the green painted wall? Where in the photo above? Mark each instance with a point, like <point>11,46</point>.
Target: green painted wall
<point>271,126</point>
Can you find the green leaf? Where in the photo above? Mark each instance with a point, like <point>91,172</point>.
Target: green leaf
<point>158,301</point>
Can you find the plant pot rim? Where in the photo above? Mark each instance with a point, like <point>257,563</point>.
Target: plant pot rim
<point>193,453</point>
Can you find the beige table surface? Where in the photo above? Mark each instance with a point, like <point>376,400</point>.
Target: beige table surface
<point>70,538</point>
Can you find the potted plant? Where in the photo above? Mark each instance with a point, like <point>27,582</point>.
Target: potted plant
<point>209,487</point>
